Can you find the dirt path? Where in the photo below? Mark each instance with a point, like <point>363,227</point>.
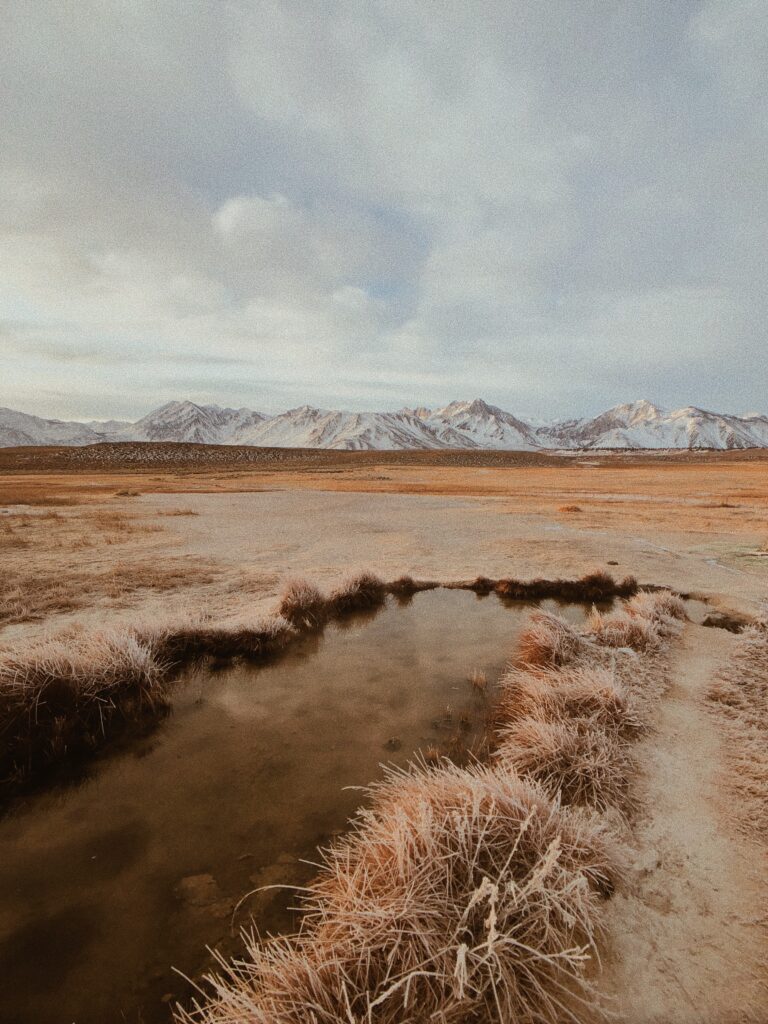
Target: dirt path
<point>685,941</point>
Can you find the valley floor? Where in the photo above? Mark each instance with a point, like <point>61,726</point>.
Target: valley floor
<point>112,544</point>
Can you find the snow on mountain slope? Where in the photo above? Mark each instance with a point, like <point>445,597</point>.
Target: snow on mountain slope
<point>474,424</point>
<point>483,425</point>
<point>644,425</point>
<point>19,428</point>
<point>307,427</point>
<point>187,421</point>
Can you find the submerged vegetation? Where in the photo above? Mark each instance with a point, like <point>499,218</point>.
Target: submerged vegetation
<point>470,894</point>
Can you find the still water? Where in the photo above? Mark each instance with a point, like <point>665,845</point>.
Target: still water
<point>107,885</point>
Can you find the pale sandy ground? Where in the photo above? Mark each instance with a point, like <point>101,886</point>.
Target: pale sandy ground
<point>687,941</point>
<point>683,945</point>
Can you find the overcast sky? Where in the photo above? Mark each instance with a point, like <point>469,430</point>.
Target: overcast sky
<point>556,205</point>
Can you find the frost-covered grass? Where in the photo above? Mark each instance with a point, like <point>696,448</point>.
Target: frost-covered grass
<point>64,696</point>
<point>472,894</point>
<point>739,695</point>
<point>461,894</point>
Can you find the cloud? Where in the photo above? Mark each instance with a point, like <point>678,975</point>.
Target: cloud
<point>365,203</point>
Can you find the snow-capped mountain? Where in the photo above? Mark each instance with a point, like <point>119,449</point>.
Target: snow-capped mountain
<point>307,427</point>
<point>483,425</point>
<point>186,421</point>
<point>644,425</point>
<point>472,424</point>
<point>19,428</point>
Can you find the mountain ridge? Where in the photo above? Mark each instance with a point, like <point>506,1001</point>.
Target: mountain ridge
<point>460,424</point>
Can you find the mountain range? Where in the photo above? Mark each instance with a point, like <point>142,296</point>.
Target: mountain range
<point>470,424</point>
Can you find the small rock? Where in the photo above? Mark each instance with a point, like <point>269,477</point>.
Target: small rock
<point>393,743</point>
<point>198,890</point>
<point>201,892</point>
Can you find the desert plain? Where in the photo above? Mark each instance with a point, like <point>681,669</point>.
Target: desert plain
<point>124,534</point>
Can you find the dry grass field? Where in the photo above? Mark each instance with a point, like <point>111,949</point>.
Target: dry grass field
<point>643,718</point>
<point>86,528</point>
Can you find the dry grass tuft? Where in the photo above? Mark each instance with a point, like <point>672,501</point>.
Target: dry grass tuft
<point>739,695</point>
<point>482,585</point>
<point>578,760</point>
<point>566,717</point>
<point>469,894</point>
<point>303,604</point>
<point>549,640</point>
<point>252,640</point>
<point>623,629</point>
<point>595,586</point>
<point>405,586</point>
<point>357,593</point>
<point>557,695</point>
<point>461,895</point>
<point>62,696</point>
<point>662,608</point>
<point>65,696</point>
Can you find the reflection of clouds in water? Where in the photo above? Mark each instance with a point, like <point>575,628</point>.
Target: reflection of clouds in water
<point>253,761</point>
<point>240,705</point>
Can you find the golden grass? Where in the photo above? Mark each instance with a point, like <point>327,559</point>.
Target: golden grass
<point>626,630</point>
<point>578,760</point>
<point>566,714</point>
<point>27,595</point>
<point>573,692</point>
<point>549,640</point>
<point>662,608</point>
<point>739,695</point>
<point>63,696</point>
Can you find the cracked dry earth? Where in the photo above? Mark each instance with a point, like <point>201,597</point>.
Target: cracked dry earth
<point>687,941</point>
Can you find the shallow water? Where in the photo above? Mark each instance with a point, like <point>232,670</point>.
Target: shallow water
<point>105,885</point>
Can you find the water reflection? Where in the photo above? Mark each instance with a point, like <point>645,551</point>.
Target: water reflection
<point>107,884</point>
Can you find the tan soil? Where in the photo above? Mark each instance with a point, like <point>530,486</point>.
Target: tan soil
<point>687,942</point>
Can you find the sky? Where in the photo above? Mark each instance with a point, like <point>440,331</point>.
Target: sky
<point>558,205</point>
